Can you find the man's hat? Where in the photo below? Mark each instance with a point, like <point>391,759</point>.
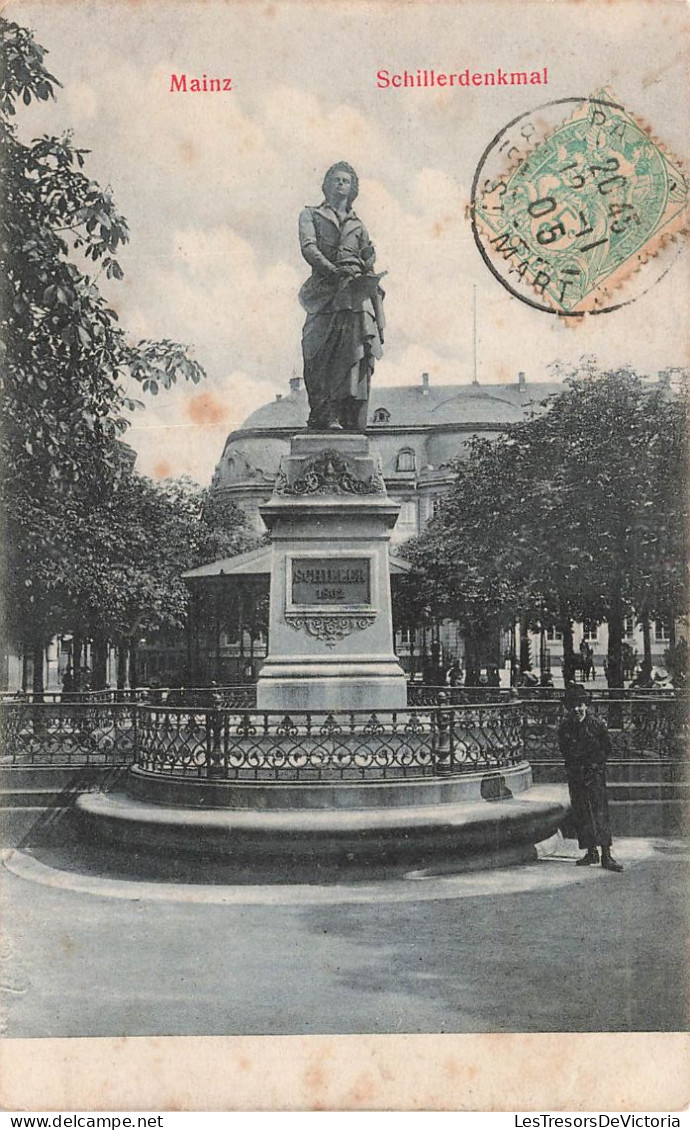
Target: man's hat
<point>576,694</point>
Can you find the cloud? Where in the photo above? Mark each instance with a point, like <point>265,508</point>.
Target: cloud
<point>212,187</point>
<point>406,367</point>
<point>425,248</point>
<point>83,102</point>
<point>183,431</point>
<point>213,290</point>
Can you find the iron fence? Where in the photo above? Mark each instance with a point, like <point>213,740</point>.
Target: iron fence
<point>243,696</point>
<point>304,745</point>
<point>243,742</point>
<point>650,727</point>
<point>73,733</point>
<point>260,745</point>
<point>425,694</point>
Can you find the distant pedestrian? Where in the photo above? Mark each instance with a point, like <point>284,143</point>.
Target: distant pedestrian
<point>454,675</point>
<point>155,693</point>
<point>585,745</point>
<point>176,697</point>
<point>586,661</point>
<point>68,681</point>
<point>643,679</point>
<point>493,676</point>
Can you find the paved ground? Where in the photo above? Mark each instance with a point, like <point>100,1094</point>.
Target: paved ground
<point>541,947</point>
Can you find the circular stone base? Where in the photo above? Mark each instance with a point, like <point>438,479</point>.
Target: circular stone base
<point>337,793</point>
<point>465,833</point>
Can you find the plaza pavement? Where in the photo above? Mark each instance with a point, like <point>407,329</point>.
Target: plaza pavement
<point>92,950</point>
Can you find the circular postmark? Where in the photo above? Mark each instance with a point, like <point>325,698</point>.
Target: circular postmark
<point>576,208</point>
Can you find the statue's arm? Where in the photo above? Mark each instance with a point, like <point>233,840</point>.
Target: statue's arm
<point>309,245</point>
<point>366,248</point>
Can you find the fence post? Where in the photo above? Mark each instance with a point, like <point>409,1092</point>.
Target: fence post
<point>135,732</point>
<point>209,743</point>
<point>443,730</point>
<point>451,739</point>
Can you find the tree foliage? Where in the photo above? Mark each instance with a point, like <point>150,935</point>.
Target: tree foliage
<point>67,364</point>
<point>132,550</point>
<point>576,513</point>
<point>66,357</point>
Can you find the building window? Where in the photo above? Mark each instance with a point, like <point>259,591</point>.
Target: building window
<point>629,627</point>
<point>590,632</point>
<point>661,634</point>
<point>408,515</point>
<point>405,460</point>
<point>381,416</point>
<point>553,635</point>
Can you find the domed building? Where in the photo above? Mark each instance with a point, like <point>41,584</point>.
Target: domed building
<point>416,431</point>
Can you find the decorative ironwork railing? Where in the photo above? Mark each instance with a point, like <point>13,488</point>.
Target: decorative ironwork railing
<point>241,696</point>
<point>424,694</point>
<point>261,745</point>
<point>244,743</point>
<point>654,727</point>
<point>258,745</point>
<point>75,733</point>
<point>53,697</point>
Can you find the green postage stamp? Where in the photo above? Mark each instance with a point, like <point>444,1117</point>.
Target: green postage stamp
<point>577,208</point>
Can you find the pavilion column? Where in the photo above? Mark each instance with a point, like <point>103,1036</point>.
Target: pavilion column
<point>240,629</point>
<point>216,629</point>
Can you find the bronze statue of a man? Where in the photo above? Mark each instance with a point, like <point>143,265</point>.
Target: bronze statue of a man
<point>343,331</point>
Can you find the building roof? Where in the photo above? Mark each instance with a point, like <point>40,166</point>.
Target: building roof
<point>421,404</point>
<point>257,562</point>
<point>398,415</point>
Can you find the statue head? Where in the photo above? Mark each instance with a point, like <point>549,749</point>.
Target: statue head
<point>342,167</point>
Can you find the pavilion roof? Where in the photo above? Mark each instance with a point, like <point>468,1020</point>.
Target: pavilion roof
<point>257,562</point>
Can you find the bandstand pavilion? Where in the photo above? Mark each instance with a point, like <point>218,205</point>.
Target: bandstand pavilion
<point>416,431</point>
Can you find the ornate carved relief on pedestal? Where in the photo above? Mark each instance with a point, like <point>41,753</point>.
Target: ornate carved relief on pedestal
<point>329,473</point>
<point>330,632</point>
<point>330,629</point>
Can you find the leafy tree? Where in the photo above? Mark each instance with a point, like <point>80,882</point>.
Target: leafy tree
<point>577,513</point>
<point>467,573</point>
<point>610,501</point>
<point>133,548</point>
<point>67,364</point>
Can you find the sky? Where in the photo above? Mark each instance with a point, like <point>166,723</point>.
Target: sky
<point>212,184</point>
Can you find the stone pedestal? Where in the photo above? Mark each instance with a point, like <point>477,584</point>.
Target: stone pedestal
<point>330,630</point>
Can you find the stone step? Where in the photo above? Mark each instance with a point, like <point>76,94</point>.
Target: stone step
<point>648,818</point>
<point>662,791</point>
<point>33,798</point>
<point>652,771</point>
<point>56,777</point>
<point>478,830</point>
<point>19,822</point>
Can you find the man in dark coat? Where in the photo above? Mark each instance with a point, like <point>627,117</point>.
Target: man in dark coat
<point>585,745</point>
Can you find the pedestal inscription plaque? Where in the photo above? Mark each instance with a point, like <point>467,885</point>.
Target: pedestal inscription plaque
<point>330,630</point>
<point>329,597</point>
<point>330,580</point>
